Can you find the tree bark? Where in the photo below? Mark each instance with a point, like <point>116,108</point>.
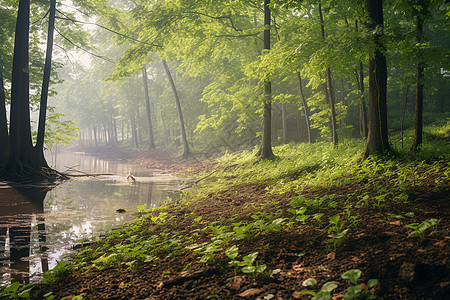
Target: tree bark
<point>377,139</point>
<point>39,148</point>
<point>305,106</point>
<point>329,89</point>
<point>404,107</point>
<point>134,130</point>
<point>151,144</point>
<point>266,143</point>
<point>186,152</point>
<point>283,123</point>
<point>21,162</point>
<point>362,106</point>
<point>3,121</point>
<point>418,119</point>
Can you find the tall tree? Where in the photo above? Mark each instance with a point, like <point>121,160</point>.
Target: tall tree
<point>45,84</point>
<point>151,144</point>
<point>3,121</point>
<point>329,86</point>
<point>186,152</point>
<point>305,107</point>
<point>21,161</point>
<point>420,11</point>
<point>377,138</point>
<point>266,143</point>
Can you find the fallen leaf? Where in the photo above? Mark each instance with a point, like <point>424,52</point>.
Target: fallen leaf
<point>355,259</point>
<point>440,244</point>
<point>297,295</point>
<point>160,285</point>
<point>337,297</point>
<point>121,285</point>
<point>236,283</point>
<point>250,292</point>
<point>396,223</point>
<point>363,286</point>
<point>331,255</point>
<point>396,255</point>
<point>298,268</point>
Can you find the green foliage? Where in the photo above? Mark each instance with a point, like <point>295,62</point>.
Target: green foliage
<point>419,230</point>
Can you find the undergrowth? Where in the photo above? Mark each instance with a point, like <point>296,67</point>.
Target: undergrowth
<point>297,167</point>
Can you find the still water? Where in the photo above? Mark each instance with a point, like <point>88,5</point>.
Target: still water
<point>39,227</point>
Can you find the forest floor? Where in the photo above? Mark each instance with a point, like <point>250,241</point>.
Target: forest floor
<point>282,229</point>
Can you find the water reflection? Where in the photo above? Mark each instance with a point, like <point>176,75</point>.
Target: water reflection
<point>19,209</point>
<point>39,226</point>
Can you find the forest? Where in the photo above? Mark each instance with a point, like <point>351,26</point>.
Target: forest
<point>311,138</point>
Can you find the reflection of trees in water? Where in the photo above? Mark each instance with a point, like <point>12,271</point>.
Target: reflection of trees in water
<point>15,224</point>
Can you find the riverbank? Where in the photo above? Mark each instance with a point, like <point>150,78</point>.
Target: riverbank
<point>315,220</point>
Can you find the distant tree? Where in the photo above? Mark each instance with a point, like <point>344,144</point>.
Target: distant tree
<point>329,85</point>
<point>186,152</point>
<point>266,142</point>
<point>151,143</point>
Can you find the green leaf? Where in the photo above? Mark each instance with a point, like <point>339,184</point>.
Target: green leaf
<point>310,282</point>
<point>371,283</point>
<point>248,269</point>
<point>232,252</point>
<point>322,296</point>
<point>261,268</point>
<point>329,286</point>
<point>352,275</point>
<point>353,292</point>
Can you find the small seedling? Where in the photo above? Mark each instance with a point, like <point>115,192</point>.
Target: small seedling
<point>323,294</point>
<point>356,291</point>
<point>419,230</point>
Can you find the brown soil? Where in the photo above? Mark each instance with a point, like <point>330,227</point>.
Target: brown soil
<point>377,245</point>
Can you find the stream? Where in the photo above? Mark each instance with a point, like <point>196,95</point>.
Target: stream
<point>39,227</point>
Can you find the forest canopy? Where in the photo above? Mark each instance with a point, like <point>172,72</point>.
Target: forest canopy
<point>242,73</point>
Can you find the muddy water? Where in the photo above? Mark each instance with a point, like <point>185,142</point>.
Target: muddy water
<point>39,227</point>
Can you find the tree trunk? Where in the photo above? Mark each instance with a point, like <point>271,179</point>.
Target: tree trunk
<point>134,130</point>
<point>266,143</point>
<point>283,122</point>
<point>39,148</point>
<point>3,122</point>
<point>21,162</point>
<point>404,108</point>
<point>186,152</point>
<point>362,106</point>
<point>305,106</point>
<point>418,119</point>
<point>329,91</point>
<point>151,144</point>
<point>377,139</point>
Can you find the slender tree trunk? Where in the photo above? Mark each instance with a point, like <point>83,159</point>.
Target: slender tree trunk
<point>330,87</point>
<point>266,143</point>
<point>404,107</point>
<point>134,130</point>
<point>283,122</point>
<point>305,106</point>
<point>3,122</point>
<point>377,139</point>
<point>39,148</point>
<point>362,106</point>
<point>186,152</point>
<point>418,119</point>
<point>151,144</point>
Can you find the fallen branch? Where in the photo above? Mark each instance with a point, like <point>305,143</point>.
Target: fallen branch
<point>197,181</point>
